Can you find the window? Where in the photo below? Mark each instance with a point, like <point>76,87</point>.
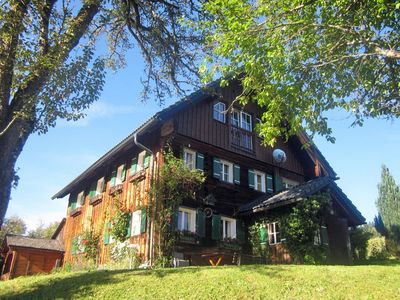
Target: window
<point>80,199</point>
<point>274,235</point>
<point>235,118</point>
<point>259,180</point>
<point>141,162</point>
<point>321,236</point>
<point>288,183</point>
<point>245,121</point>
<point>189,157</point>
<point>228,228</point>
<point>136,222</point>
<point>100,186</point>
<point>226,171</point>
<point>241,119</point>
<point>219,112</point>
<point>120,172</point>
<point>186,219</point>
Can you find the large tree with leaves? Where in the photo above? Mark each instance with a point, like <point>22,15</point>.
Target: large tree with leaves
<point>12,225</point>
<point>388,204</point>
<point>300,58</point>
<point>49,68</point>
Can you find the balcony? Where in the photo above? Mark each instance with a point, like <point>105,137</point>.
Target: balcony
<point>241,139</point>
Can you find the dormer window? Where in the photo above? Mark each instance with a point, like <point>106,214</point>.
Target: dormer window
<point>219,112</point>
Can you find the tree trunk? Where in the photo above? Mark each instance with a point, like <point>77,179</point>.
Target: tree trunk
<point>11,145</point>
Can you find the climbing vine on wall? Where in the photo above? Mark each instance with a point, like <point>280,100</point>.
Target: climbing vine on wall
<point>298,227</point>
<point>175,183</point>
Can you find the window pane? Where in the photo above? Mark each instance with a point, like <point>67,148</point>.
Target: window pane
<point>186,221</point>
<point>235,118</point>
<point>218,112</point>
<point>180,216</point>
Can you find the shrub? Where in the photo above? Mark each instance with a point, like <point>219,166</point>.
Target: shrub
<point>124,256</point>
<point>359,240</point>
<point>376,248</point>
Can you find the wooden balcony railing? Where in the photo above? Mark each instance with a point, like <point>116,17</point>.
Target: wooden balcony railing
<point>241,138</point>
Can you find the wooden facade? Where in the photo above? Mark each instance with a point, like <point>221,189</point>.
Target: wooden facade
<point>191,126</point>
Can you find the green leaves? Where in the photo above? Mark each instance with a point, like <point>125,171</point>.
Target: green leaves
<point>299,59</point>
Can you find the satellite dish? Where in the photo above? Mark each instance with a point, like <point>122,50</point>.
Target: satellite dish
<point>279,156</point>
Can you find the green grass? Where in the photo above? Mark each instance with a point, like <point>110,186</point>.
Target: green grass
<point>246,282</point>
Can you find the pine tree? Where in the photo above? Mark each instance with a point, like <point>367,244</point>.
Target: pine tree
<point>388,204</point>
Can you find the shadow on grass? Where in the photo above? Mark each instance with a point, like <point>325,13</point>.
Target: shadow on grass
<point>79,284</point>
<point>385,262</point>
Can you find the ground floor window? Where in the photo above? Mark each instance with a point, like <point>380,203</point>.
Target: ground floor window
<point>228,228</point>
<point>274,235</point>
<point>186,219</point>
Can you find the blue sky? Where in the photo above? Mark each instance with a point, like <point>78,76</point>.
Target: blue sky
<point>51,161</point>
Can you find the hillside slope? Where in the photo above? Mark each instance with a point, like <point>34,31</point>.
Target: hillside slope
<point>246,282</point>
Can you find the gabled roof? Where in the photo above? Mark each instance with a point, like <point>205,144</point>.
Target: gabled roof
<point>27,242</point>
<point>164,115</point>
<point>298,193</point>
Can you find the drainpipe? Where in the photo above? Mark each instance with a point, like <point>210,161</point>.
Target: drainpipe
<point>149,241</point>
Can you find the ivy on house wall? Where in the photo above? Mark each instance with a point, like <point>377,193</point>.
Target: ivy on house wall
<point>298,228</point>
<point>174,184</point>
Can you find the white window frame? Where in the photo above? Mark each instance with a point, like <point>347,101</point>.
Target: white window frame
<point>232,231</point>
<point>240,120</point>
<point>79,202</point>
<point>288,183</point>
<point>136,222</point>
<point>192,164</point>
<point>235,121</point>
<point>118,176</point>
<point>219,111</point>
<point>244,121</point>
<point>191,219</point>
<point>263,185</point>
<point>274,234</point>
<point>99,186</point>
<point>230,171</point>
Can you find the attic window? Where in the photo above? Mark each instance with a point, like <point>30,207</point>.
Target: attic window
<point>219,112</point>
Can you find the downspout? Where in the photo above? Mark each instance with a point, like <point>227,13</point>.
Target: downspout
<point>149,241</point>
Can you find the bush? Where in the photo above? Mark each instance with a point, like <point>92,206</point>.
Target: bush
<point>376,248</point>
<point>124,256</point>
<point>359,240</point>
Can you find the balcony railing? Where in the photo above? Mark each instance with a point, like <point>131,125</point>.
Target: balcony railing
<point>241,138</point>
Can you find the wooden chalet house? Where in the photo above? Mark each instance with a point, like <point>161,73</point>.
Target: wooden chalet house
<point>242,181</point>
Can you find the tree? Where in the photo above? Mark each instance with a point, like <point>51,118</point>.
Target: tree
<point>298,59</point>
<point>388,204</point>
<point>44,231</point>
<point>12,225</point>
<point>49,68</point>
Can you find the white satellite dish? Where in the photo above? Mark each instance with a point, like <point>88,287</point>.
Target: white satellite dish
<point>279,156</point>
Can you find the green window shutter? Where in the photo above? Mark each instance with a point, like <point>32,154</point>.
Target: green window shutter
<point>73,246</point>
<point>92,189</point>
<point>146,161</point>
<point>236,174</point>
<point>106,237</point>
<point>72,201</point>
<point>216,227</point>
<point>123,174</point>
<point>270,183</point>
<point>199,161</point>
<point>201,223</point>
<point>134,165</point>
<point>278,183</point>
<point>240,231</point>
<point>175,218</point>
<point>113,177</point>
<point>216,168</point>
<point>263,236</point>
<point>128,229</point>
<point>251,179</point>
<point>143,220</point>
<point>324,235</point>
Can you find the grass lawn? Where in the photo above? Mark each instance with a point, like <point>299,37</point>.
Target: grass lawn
<point>245,282</point>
